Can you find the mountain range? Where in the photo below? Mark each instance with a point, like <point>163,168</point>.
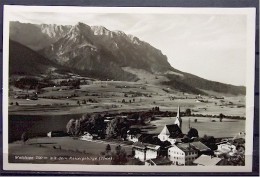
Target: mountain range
<point>95,51</point>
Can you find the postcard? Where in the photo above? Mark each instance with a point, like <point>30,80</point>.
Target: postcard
<point>128,89</point>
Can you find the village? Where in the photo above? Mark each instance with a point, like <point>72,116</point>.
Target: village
<point>123,123</point>
<point>170,147</point>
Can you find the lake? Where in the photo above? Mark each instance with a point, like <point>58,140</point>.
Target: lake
<point>40,125</point>
<point>37,125</point>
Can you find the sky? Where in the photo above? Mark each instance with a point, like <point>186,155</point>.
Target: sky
<point>211,46</point>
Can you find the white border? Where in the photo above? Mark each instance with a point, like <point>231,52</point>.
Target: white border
<point>250,67</point>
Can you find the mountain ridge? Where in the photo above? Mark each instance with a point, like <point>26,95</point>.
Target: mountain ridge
<point>101,53</point>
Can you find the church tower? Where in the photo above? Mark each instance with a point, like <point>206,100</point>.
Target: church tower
<point>178,120</point>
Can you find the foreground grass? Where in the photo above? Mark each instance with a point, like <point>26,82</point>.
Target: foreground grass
<point>61,150</point>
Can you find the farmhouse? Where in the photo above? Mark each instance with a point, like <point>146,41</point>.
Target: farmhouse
<point>133,134</point>
<point>201,148</point>
<point>88,137</point>
<point>145,151</point>
<point>56,134</point>
<point>134,137</point>
<point>182,154</point>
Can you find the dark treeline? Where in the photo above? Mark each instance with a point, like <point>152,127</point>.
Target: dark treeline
<point>218,116</point>
<point>36,83</point>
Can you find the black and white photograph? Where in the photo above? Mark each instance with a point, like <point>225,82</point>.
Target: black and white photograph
<point>150,89</point>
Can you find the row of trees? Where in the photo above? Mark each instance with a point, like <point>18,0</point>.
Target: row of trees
<point>93,124</point>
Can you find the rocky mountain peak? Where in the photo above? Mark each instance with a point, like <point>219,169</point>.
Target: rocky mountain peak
<point>55,31</point>
<point>101,30</point>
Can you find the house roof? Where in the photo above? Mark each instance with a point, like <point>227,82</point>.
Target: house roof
<point>146,145</point>
<point>146,138</point>
<point>160,161</point>
<point>177,136</point>
<point>186,147</point>
<point>200,146</point>
<point>206,160</point>
<point>133,131</point>
<point>138,135</point>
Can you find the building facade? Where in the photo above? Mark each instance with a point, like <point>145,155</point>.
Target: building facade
<point>144,151</point>
<point>182,154</point>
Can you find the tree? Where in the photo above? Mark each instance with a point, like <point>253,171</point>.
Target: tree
<point>84,101</point>
<point>119,157</point>
<point>193,133</point>
<point>221,116</point>
<point>108,148</point>
<point>210,141</point>
<point>117,127</point>
<point>24,137</point>
<point>188,112</point>
<point>70,127</point>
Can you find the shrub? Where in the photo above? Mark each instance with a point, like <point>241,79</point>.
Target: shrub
<point>24,137</point>
<point>102,153</point>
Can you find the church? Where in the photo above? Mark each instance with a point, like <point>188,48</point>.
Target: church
<point>172,132</point>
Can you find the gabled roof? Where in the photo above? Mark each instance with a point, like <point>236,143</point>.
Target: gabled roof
<point>146,146</point>
<point>200,146</point>
<point>206,160</point>
<point>173,130</point>
<point>186,147</point>
<point>160,161</point>
<point>139,145</point>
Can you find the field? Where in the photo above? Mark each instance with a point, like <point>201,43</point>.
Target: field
<point>62,150</point>
<point>100,96</point>
<point>204,125</point>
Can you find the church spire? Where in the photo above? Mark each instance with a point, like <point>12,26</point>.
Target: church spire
<point>178,120</point>
<point>178,112</point>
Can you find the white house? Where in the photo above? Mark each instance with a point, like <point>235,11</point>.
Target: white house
<point>182,154</point>
<point>88,137</point>
<point>226,148</point>
<point>56,134</point>
<point>133,137</point>
<point>145,151</point>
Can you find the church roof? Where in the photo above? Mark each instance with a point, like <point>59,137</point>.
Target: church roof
<point>173,130</point>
